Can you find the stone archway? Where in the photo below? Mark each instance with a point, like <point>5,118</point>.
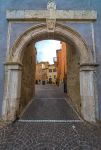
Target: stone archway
<point>14,64</point>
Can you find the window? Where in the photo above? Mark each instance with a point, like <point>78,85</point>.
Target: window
<point>54,70</point>
<point>50,70</point>
<point>54,76</point>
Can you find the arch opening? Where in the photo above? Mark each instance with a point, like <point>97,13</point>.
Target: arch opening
<point>62,33</point>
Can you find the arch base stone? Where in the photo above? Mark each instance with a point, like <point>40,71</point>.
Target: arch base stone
<point>11,91</point>
<point>88,92</point>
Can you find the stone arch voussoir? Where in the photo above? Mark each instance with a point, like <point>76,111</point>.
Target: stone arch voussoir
<point>34,32</point>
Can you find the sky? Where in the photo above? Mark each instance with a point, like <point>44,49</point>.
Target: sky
<point>46,50</point>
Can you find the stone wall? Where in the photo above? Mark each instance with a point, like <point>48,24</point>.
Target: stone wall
<point>73,83</point>
<point>28,75</point>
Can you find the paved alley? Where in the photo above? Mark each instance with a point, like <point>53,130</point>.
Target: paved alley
<point>50,103</point>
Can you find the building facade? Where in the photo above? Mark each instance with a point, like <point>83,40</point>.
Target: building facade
<point>52,74</point>
<point>41,72</point>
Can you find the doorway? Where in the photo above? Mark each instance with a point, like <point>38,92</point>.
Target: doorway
<point>13,69</point>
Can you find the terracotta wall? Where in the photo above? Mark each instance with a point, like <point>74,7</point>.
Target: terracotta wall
<point>58,52</point>
<point>73,83</point>
<point>64,53</point>
<point>28,76</point>
<point>62,62</point>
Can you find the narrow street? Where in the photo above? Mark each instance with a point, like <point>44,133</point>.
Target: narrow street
<point>50,103</point>
<point>49,122</point>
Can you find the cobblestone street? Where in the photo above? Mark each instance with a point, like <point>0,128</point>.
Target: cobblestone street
<point>50,123</point>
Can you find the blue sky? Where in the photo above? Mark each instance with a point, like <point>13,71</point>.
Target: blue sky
<point>46,50</point>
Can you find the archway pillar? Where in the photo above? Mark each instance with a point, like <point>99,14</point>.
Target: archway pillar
<point>88,91</point>
<point>11,91</point>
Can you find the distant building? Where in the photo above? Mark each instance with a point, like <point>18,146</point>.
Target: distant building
<point>52,74</point>
<point>61,63</point>
<point>44,72</point>
<point>41,72</point>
